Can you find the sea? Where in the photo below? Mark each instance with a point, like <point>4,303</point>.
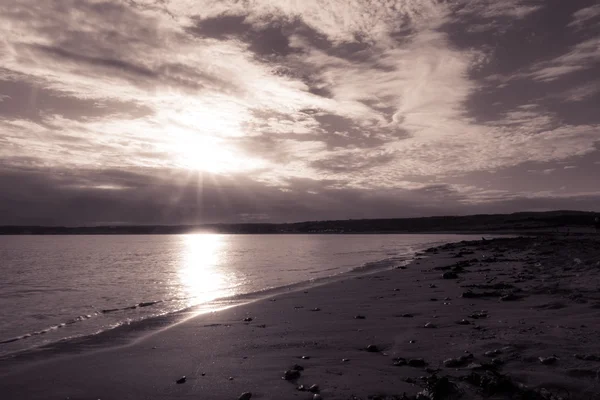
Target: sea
<point>56,288</point>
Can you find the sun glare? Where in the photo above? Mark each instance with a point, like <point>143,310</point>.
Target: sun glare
<point>200,274</point>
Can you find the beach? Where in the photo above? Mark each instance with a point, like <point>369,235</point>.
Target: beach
<point>506,318</point>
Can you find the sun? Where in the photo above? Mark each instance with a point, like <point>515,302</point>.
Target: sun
<point>210,154</point>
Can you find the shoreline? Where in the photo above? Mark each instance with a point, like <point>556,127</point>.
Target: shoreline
<point>255,353</point>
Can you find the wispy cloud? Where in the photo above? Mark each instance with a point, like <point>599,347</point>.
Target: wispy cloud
<point>351,94</point>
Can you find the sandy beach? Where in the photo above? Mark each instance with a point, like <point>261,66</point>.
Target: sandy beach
<point>503,318</point>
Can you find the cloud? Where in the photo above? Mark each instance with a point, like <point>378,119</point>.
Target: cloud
<point>366,99</point>
<point>586,17</point>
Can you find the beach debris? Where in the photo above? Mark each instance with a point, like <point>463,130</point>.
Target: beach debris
<point>400,362</point>
<point>372,348</point>
<point>464,322</point>
<point>417,362</point>
<point>314,388</point>
<point>587,357</point>
<point>297,367</point>
<point>181,380</point>
<point>430,325</point>
<point>248,319</point>
<point>548,360</point>
<point>359,317</point>
<point>315,309</point>
<point>245,396</point>
<point>449,275</point>
<point>291,374</point>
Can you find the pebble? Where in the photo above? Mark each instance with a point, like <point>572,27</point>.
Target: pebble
<point>430,325</point>
<point>248,319</point>
<point>181,380</point>
<point>345,359</point>
<point>449,275</point>
<point>548,360</point>
<point>314,388</point>
<point>492,353</point>
<point>245,396</point>
<point>399,362</point>
<point>301,388</point>
<point>317,397</point>
<point>305,357</point>
<point>407,315</point>
<point>316,309</point>
<point>359,317</point>
<point>417,362</point>
<point>464,322</point>
<point>291,374</point>
<point>372,348</point>
<point>412,341</point>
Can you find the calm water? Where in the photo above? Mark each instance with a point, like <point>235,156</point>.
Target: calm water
<point>55,287</point>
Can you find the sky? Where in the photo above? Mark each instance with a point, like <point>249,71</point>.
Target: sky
<point>203,111</point>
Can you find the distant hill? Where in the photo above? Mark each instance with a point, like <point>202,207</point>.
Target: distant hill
<point>517,222</point>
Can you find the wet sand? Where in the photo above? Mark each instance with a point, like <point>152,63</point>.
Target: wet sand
<point>506,318</point>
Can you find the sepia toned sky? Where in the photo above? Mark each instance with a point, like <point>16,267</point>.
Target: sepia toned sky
<point>190,111</point>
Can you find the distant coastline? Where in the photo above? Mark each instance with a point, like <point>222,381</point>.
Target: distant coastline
<point>523,222</point>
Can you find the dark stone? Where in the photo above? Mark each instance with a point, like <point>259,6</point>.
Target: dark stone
<point>372,348</point>
<point>181,380</point>
<point>314,388</point>
<point>359,317</point>
<point>248,319</point>
<point>291,374</point>
<point>417,362</point>
<point>450,275</point>
<point>245,396</point>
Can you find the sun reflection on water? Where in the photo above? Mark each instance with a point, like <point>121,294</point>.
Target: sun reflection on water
<point>201,275</point>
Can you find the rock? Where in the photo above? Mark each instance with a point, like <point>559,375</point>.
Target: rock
<point>291,374</point>
<point>230,378</point>
<point>301,388</point>
<point>372,348</point>
<point>317,397</point>
<point>245,396</point>
<point>407,315</point>
<point>412,341</point>
<point>548,360</point>
<point>449,275</point>
<point>399,362</point>
<point>452,362</point>
<point>248,319</point>
<point>430,325</point>
<point>432,286</point>
<point>492,353</point>
<point>314,388</point>
<point>345,359</point>
<point>297,367</point>
<point>316,309</point>
<point>433,299</point>
<point>305,357</point>
<point>464,322</point>
<point>359,317</point>
<point>181,380</point>
<point>417,362</point>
